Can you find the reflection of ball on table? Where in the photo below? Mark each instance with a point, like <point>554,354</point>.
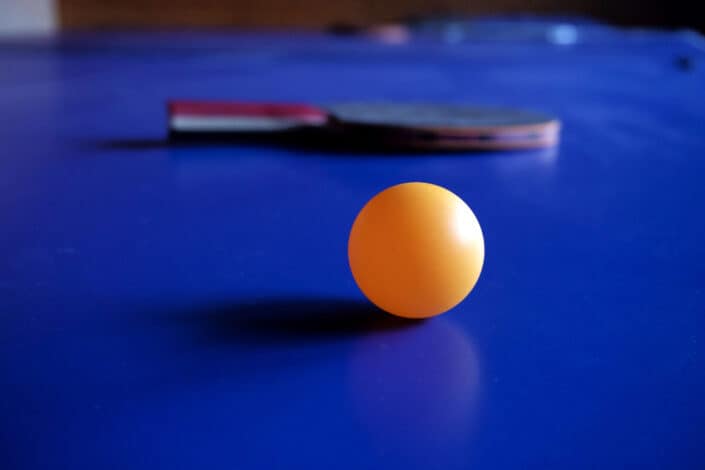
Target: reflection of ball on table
<point>416,391</point>
<point>416,250</point>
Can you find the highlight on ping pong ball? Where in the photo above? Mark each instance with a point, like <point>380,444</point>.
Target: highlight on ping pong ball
<point>416,250</point>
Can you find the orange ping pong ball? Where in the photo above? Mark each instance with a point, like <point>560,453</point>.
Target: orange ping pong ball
<point>416,250</point>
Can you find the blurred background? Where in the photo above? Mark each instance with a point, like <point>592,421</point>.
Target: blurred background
<point>45,16</point>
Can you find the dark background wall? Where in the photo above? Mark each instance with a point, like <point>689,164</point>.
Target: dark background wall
<point>316,13</point>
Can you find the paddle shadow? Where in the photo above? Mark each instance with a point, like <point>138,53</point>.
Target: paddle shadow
<point>303,141</point>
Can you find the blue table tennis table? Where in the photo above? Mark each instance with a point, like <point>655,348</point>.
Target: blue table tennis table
<point>190,306</point>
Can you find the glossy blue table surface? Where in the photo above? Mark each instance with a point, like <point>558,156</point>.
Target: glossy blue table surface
<point>191,307</point>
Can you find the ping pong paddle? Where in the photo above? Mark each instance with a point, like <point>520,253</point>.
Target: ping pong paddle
<point>412,125</point>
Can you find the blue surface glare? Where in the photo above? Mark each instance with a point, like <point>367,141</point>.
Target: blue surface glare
<point>191,307</point>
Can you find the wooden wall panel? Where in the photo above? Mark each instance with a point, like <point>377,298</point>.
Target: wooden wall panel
<point>316,13</point>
